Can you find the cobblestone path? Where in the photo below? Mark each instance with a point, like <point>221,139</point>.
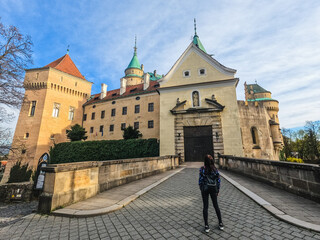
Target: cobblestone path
<point>172,210</point>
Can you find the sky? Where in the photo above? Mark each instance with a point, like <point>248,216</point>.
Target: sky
<point>276,43</point>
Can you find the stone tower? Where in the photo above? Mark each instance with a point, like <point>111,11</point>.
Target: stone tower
<point>54,95</point>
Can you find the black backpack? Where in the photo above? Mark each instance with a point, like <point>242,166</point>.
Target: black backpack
<point>210,182</point>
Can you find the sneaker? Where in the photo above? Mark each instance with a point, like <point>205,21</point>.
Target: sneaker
<point>221,226</point>
<point>206,229</point>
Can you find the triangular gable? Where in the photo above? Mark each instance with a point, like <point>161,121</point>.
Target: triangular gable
<point>65,64</point>
<point>208,58</point>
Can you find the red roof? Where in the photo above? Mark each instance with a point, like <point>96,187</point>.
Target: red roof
<point>130,91</point>
<point>65,64</point>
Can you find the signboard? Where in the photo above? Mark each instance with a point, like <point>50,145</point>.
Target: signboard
<point>43,161</point>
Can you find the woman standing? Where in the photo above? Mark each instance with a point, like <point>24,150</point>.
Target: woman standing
<point>207,173</point>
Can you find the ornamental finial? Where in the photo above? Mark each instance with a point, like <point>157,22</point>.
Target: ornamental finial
<point>195,27</point>
<point>135,45</point>
<point>68,49</point>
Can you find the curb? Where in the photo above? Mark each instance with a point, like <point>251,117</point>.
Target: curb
<point>96,212</point>
<point>272,209</point>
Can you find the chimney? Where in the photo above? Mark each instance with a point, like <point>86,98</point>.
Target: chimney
<point>123,84</point>
<point>155,73</point>
<point>142,67</point>
<point>146,81</point>
<point>103,93</point>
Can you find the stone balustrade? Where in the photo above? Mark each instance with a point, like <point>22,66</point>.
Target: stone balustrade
<point>72,182</point>
<point>298,178</point>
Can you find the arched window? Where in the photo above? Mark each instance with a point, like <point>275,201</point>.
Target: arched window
<point>195,99</point>
<point>254,135</point>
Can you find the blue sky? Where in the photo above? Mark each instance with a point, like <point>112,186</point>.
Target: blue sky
<point>276,43</point>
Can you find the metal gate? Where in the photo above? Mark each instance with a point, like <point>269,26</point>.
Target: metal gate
<point>197,142</point>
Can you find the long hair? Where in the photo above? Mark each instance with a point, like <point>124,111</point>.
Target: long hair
<point>209,163</point>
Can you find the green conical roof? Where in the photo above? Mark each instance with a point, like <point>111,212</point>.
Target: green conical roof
<point>134,63</point>
<point>197,42</point>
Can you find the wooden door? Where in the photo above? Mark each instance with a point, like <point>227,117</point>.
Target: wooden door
<point>197,142</point>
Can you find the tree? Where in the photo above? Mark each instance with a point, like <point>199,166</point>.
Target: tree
<point>15,56</point>
<point>131,133</point>
<point>77,133</point>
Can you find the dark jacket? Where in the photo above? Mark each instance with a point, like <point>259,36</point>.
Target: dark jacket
<point>214,174</point>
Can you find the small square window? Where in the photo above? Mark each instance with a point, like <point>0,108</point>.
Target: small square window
<point>124,111</point>
<point>84,117</point>
<point>150,124</point>
<point>150,107</point>
<point>123,126</point>
<point>113,112</point>
<point>136,125</point>
<point>26,135</point>
<point>93,116</point>
<point>91,129</point>
<point>186,73</point>
<point>202,71</point>
<point>136,108</point>
<point>103,114</point>
<point>111,128</point>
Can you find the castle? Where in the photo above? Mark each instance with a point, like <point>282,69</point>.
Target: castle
<point>192,110</point>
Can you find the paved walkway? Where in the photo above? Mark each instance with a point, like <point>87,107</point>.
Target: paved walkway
<point>291,204</point>
<point>171,210</point>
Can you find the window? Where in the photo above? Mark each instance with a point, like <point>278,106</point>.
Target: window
<point>101,129</point>
<point>113,102</point>
<point>113,112</point>
<point>202,71</point>
<point>32,108</point>
<point>56,108</point>
<point>137,98</point>
<point>123,126</point>
<point>254,134</point>
<point>186,73</point>
<point>195,99</point>
<point>111,128</point>
<point>84,117</point>
<point>136,125</point>
<point>124,111</point>
<point>75,84</point>
<point>103,114</point>
<point>26,135</point>
<point>37,76</point>
<point>150,124</point>
<point>71,113</point>
<point>136,108</point>
<point>61,79</point>
<point>93,116</point>
<point>150,107</point>
<point>91,129</point>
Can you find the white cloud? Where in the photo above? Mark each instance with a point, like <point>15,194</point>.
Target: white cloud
<point>275,42</point>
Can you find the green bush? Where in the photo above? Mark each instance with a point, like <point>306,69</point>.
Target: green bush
<point>103,150</point>
<point>19,173</point>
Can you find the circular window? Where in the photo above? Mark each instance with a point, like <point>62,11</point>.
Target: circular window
<point>137,98</point>
<point>113,102</point>
<point>94,106</point>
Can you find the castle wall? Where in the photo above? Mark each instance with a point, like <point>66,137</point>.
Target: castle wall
<point>254,114</point>
<point>142,117</point>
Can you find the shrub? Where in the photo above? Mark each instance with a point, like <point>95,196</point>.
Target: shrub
<point>19,173</point>
<point>77,133</point>
<point>131,133</point>
<point>292,159</point>
<point>103,150</point>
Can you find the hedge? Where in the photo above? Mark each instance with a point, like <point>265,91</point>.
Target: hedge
<point>103,150</point>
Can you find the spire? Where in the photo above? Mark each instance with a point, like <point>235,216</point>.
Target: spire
<point>196,40</point>
<point>135,45</point>
<point>68,49</point>
<point>134,63</point>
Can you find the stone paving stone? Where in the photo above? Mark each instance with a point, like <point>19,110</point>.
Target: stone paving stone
<point>172,210</point>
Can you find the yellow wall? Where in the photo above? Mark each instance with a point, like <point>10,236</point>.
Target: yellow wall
<point>143,117</point>
<point>224,91</point>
